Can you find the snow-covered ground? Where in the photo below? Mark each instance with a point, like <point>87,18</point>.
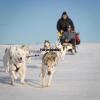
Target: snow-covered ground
<point>77,77</point>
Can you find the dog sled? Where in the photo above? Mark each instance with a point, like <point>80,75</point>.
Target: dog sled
<point>70,41</point>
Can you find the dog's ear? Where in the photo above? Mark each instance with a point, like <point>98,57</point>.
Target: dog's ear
<point>22,46</point>
<point>45,41</point>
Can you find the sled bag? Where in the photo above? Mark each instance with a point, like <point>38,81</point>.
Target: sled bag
<point>77,38</point>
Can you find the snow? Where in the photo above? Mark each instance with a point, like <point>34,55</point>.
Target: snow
<point>77,77</point>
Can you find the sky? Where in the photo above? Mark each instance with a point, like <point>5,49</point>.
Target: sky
<point>33,21</point>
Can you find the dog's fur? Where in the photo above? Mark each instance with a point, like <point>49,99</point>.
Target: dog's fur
<point>49,61</point>
<point>15,62</point>
<point>62,51</point>
<point>69,47</point>
<point>47,45</point>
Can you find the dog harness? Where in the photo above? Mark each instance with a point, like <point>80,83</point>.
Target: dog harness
<point>17,68</point>
<point>56,49</point>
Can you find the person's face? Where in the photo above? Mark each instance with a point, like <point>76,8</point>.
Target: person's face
<point>69,28</point>
<point>64,17</point>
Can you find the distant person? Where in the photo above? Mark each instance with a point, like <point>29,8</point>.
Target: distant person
<point>69,36</point>
<point>62,25</point>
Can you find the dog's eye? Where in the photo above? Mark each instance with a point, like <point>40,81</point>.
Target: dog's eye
<point>10,57</point>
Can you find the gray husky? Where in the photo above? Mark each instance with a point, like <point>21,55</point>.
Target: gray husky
<point>49,62</point>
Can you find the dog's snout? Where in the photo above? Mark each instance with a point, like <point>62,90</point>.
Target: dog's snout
<point>49,72</point>
<point>20,58</point>
<point>10,57</point>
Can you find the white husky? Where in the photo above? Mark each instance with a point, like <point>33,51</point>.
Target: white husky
<point>15,62</point>
<point>62,51</point>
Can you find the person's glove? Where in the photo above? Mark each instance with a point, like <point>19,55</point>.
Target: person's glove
<point>61,31</point>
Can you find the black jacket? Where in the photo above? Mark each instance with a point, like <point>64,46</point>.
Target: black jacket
<point>63,24</point>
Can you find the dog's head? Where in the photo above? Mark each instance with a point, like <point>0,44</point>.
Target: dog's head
<point>47,44</point>
<point>17,54</point>
<point>26,50</point>
<point>20,55</point>
<point>59,46</point>
<point>62,51</point>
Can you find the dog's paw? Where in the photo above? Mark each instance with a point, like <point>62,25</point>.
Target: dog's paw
<point>48,85</point>
<point>44,85</point>
<point>23,83</point>
<point>12,83</point>
<point>15,77</point>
